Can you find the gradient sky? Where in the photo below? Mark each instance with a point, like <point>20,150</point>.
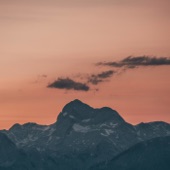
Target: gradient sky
<point>41,40</point>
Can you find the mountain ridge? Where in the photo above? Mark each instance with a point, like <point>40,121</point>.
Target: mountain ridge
<point>82,136</point>
<point>79,101</point>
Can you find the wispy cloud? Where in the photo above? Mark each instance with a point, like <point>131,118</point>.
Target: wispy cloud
<point>85,81</point>
<point>69,84</point>
<point>98,78</point>
<point>133,62</point>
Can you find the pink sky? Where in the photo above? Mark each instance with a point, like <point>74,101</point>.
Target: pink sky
<point>66,38</point>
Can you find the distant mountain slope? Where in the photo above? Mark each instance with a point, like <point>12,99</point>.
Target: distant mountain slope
<point>8,151</point>
<point>12,158</point>
<point>81,137</point>
<point>148,155</point>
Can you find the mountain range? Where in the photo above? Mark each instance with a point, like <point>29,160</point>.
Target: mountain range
<point>84,138</point>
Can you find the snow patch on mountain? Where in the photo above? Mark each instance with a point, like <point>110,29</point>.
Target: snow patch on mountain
<point>79,128</point>
<point>114,124</point>
<point>86,120</point>
<point>107,132</point>
<point>72,117</point>
<point>65,114</point>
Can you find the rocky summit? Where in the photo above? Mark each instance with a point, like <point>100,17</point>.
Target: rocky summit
<point>84,138</point>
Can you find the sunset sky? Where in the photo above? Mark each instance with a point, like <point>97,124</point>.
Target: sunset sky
<point>53,51</point>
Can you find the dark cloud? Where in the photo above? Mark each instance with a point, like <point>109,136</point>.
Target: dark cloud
<point>106,74</point>
<point>69,84</point>
<point>98,78</point>
<point>133,62</point>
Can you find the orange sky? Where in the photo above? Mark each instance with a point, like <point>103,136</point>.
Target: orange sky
<point>67,37</point>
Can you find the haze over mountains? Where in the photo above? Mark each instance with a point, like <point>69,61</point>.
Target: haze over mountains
<point>84,138</point>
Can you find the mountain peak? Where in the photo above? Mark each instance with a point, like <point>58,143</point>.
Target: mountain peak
<point>16,126</point>
<point>78,111</point>
<point>76,103</point>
